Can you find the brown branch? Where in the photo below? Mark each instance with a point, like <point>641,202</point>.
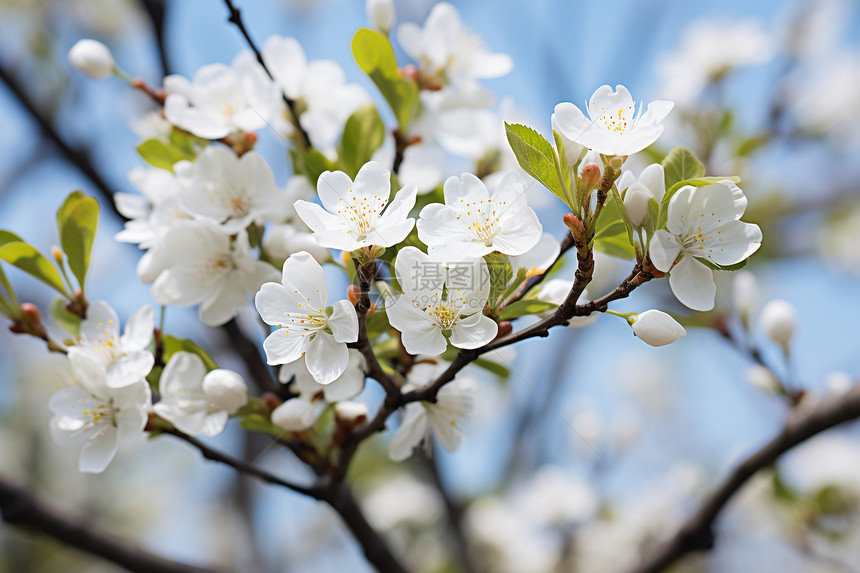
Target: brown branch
<point>697,533</point>
<point>77,157</point>
<point>21,508</point>
<point>365,273</point>
<point>242,466</point>
<point>235,17</point>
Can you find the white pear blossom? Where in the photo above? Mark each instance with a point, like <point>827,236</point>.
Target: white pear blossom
<point>777,321</point>
<point>357,214</point>
<point>281,241</point>
<point>297,307</point>
<point>445,47</point>
<point>539,258</point>
<point>380,14</point>
<point>637,192</point>
<point>125,357</point>
<point>454,403</point>
<point>93,58</point>
<point>319,88</point>
<point>96,414</point>
<point>229,190</point>
<point>199,264</point>
<point>196,401</point>
<point>703,223</point>
<point>439,300</point>
<point>709,49</point>
<point>613,126</point>
<point>471,223</point>
<point>221,99</point>
<point>656,328</point>
<point>152,212</point>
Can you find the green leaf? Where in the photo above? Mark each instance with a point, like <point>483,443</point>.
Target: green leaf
<point>363,134</point>
<point>524,307</point>
<point>312,164</point>
<point>519,278</point>
<point>697,182</point>
<point>375,56</point>
<point>77,220</point>
<point>537,157</point>
<point>611,234</point>
<point>31,261</point>
<point>730,268</point>
<point>564,165</point>
<point>66,320</point>
<point>681,164</point>
<point>500,274</point>
<point>171,345</point>
<point>377,324</point>
<point>256,422</point>
<point>494,367</point>
<point>9,237</point>
<point>187,143</point>
<point>162,154</point>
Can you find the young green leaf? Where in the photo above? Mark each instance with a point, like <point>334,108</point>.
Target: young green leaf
<point>611,234</point>
<point>66,320</point>
<point>564,165</point>
<point>537,158</point>
<point>171,345</point>
<point>375,56</point>
<point>77,220</point>
<point>363,134</point>
<point>161,154</point>
<point>524,307</point>
<point>681,164</point>
<point>500,274</point>
<point>31,261</point>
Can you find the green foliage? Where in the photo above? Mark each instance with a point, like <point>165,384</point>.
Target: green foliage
<point>611,234</point>
<point>311,163</point>
<point>163,154</point>
<point>525,307</point>
<point>171,345</point>
<point>566,173</point>
<point>537,158</point>
<point>29,260</point>
<point>363,134</point>
<point>377,324</point>
<point>77,220</point>
<point>681,164</point>
<point>500,274</point>
<point>66,320</point>
<point>257,422</point>
<point>375,56</point>
<point>499,370</point>
<point>731,268</point>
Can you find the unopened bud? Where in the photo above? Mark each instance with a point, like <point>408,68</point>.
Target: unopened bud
<point>777,321</point>
<point>656,328</point>
<point>380,14</point>
<point>351,412</point>
<point>762,378</point>
<point>353,293</point>
<point>617,161</point>
<point>745,292</point>
<point>505,328</point>
<point>636,204</point>
<point>226,390</point>
<point>93,58</point>
<point>575,225</point>
<point>409,71</point>
<point>57,254</point>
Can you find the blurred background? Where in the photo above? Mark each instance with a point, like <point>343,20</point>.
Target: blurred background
<point>595,445</point>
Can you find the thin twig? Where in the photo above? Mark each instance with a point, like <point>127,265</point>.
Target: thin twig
<point>697,533</point>
<point>21,508</point>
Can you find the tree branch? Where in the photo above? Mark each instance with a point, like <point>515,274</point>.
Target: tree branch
<point>697,534</point>
<point>242,466</point>
<point>156,10</point>
<point>22,509</point>
<point>365,273</point>
<point>79,158</point>
<point>236,18</point>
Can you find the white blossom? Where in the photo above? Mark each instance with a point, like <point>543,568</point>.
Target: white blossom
<point>297,307</point>
<point>152,212</point>
<point>445,47</point>
<point>97,415</point>
<point>613,126</point>
<point>777,321</point>
<point>125,357</point>
<point>93,58</point>
<point>637,192</point>
<point>319,88</point>
<point>656,328</point>
<point>703,223</point>
<point>357,214</point>
<point>199,264</point>
<point>440,301</point>
<point>196,401</point>
<point>454,403</point>
<point>539,258</point>
<point>229,190</point>
<point>380,14</point>
<point>221,99</point>
<point>472,223</point>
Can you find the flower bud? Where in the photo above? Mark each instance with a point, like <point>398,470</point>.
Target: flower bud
<point>93,58</point>
<point>505,328</point>
<point>777,322</point>
<point>353,293</point>
<point>745,293</point>
<point>226,390</point>
<point>575,225</point>
<point>57,253</point>
<point>294,415</point>
<point>762,379</point>
<point>380,14</point>
<point>656,328</point>
<point>838,382</point>
<point>351,412</point>
<point>636,203</point>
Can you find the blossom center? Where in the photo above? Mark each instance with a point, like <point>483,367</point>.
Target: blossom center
<point>443,315</point>
<point>100,414</point>
<point>360,213</point>
<point>481,219</point>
